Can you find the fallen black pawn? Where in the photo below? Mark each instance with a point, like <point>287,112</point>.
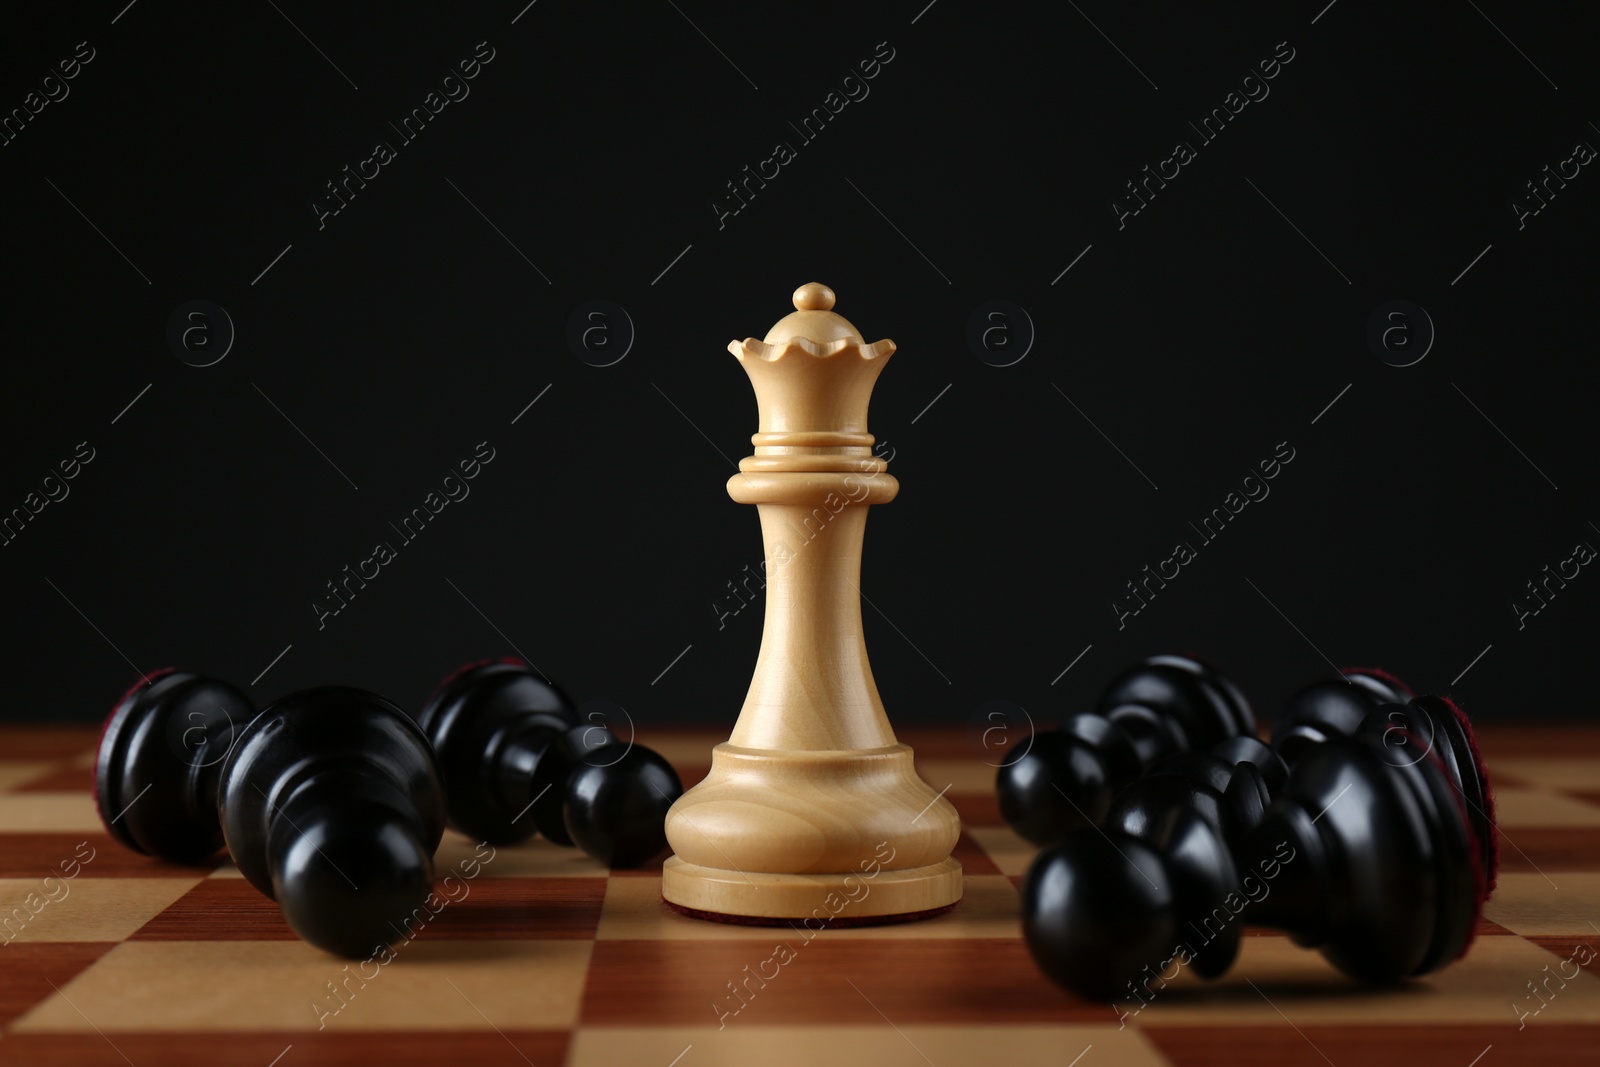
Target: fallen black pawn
<point>517,761</point>
<point>1364,856</point>
<point>332,806</point>
<point>1066,778</point>
<point>329,800</point>
<point>1376,704</point>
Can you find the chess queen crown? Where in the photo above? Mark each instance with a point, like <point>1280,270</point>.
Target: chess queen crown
<point>813,376</point>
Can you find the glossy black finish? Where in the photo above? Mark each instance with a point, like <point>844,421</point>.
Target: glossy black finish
<point>332,805</point>
<point>1383,879</point>
<point>566,753</point>
<point>1195,694</point>
<point>159,760</point>
<point>616,804</point>
<point>1104,911</point>
<point>1433,726</point>
<point>1096,911</point>
<point>1229,786</point>
<point>1365,856</point>
<point>490,724</point>
<point>1067,778</point>
<point>1381,707</point>
<point>1333,708</point>
<point>518,759</point>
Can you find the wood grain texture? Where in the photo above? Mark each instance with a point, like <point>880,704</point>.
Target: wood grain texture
<point>1398,1046</point>
<point>216,909</point>
<point>1551,848</point>
<point>967,980</point>
<point>34,855</point>
<point>563,909</point>
<point>27,972</point>
<point>179,1048</point>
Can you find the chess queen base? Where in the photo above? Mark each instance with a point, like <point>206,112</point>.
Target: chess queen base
<point>829,837</point>
<point>819,901</point>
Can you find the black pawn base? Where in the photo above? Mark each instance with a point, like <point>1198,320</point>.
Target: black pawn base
<point>1463,761</point>
<point>158,762</point>
<point>1377,705</point>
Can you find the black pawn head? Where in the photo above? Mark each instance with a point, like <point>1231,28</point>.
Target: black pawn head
<point>1065,778</point>
<point>332,806</point>
<point>1238,706</point>
<point>616,804</point>
<point>1195,694</point>
<point>159,759</point>
<point>564,756</point>
<point>1106,914</point>
<point>1334,708</point>
<point>488,723</point>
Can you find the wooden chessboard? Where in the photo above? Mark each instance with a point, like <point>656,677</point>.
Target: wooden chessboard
<point>548,958</point>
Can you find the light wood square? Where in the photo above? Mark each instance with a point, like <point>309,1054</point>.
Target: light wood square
<point>93,909</point>
<point>275,985</point>
<point>1531,904</point>
<point>633,910</point>
<point>48,813</point>
<point>862,1046</point>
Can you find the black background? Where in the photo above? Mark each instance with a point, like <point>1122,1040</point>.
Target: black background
<point>407,330</point>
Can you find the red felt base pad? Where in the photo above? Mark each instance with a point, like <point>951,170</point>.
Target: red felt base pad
<point>836,922</point>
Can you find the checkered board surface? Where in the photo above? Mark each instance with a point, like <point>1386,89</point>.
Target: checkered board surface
<point>551,959</point>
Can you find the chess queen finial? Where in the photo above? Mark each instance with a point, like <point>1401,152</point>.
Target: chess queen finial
<point>812,797</point>
<point>813,377</point>
<point>826,325</point>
